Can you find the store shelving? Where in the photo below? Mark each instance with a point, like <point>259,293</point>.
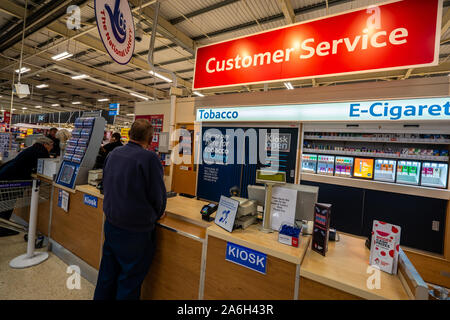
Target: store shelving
<point>379,185</point>
<point>376,139</point>
<point>377,155</point>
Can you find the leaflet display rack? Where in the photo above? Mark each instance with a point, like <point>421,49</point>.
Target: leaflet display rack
<point>81,151</point>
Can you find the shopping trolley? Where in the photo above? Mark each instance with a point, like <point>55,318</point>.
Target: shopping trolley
<point>24,194</point>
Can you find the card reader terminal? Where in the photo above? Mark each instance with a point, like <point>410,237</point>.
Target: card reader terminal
<point>208,210</point>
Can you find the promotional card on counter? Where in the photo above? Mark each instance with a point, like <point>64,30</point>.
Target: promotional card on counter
<point>322,212</point>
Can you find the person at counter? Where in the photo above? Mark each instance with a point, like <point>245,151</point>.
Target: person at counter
<point>21,168</point>
<point>106,149</point>
<point>56,149</point>
<point>134,199</point>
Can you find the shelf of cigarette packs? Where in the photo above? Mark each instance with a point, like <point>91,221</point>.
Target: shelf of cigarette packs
<point>378,149</point>
<point>76,146</point>
<point>406,138</point>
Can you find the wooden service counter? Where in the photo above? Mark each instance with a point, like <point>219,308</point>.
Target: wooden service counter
<point>189,261</point>
<point>342,274</point>
<point>227,280</point>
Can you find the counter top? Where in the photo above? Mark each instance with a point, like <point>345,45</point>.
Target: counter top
<point>91,190</point>
<point>267,243</point>
<point>187,209</point>
<point>345,268</point>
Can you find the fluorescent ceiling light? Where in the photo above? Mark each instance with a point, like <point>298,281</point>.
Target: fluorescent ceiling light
<point>139,96</point>
<point>24,108</point>
<point>55,105</point>
<point>104,99</point>
<point>13,109</point>
<point>61,56</point>
<point>159,76</point>
<point>38,107</point>
<point>76,102</point>
<point>23,70</point>
<point>198,94</point>
<point>42,86</point>
<point>130,114</point>
<point>81,76</point>
<point>288,85</point>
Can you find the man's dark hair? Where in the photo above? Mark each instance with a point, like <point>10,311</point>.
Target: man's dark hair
<point>141,130</point>
<point>116,136</point>
<point>53,129</point>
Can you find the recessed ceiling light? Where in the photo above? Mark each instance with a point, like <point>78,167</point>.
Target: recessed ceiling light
<point>81,76</point>
<point>198,94</point>
<point>104,99</point>
<point>139,96</point>
<point>288,85</point>
<point>55,105</point>
<point>24,108</point>
<point>23,70</point>
<point>159,76</point>
<point>61,56</point>
<point>76,102</point>
<point>38,107</point>
<point>42,86</point>
<point>130,114</point>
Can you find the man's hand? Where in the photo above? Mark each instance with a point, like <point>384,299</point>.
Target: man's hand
<point>163,216</point>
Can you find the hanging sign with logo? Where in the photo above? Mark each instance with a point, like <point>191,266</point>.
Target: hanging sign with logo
<point>395,35</point>
<point>115,25</point>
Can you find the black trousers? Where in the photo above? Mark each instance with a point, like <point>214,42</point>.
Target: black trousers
<point>126,259</point>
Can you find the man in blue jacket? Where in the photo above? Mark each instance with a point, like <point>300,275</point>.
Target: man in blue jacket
<point>134,199</point>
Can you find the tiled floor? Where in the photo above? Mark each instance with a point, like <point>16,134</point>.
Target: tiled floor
<point>44,281</point>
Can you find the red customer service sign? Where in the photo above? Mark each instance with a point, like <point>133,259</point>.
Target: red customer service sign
<point>394,35</point>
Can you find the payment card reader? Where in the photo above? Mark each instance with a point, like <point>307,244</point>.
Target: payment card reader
<point>208,210</point>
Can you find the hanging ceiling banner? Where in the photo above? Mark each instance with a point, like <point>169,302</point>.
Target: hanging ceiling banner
<point>394,35</point>
<point>115,25</point>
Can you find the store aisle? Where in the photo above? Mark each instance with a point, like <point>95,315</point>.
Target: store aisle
<point>44,281</point>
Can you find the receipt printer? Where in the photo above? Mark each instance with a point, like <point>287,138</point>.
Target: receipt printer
<point>208,210</point>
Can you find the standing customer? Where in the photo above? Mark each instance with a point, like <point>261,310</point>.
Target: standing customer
<point>56,149</point>
<point>134,199</point>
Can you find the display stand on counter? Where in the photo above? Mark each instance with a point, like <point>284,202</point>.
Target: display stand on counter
<point>81,151</point>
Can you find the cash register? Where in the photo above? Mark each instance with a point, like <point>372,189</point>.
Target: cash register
<point>246,213</point>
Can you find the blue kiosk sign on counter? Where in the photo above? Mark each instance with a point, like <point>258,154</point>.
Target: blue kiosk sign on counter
<point>246,257</point>
<point>90,200</point>
<point>376,110</point>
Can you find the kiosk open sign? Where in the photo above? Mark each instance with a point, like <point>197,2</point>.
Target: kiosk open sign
<point>279,142</point>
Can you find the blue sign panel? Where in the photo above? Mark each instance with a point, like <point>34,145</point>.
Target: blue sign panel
<point>114,109</point>
<point>246,257</point>
<point>90,200</point>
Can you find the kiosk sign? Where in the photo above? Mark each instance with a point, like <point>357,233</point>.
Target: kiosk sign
<point>394,35</point>
<point>115,25</point>
<point>246,257</point>
<point>90,200</point>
